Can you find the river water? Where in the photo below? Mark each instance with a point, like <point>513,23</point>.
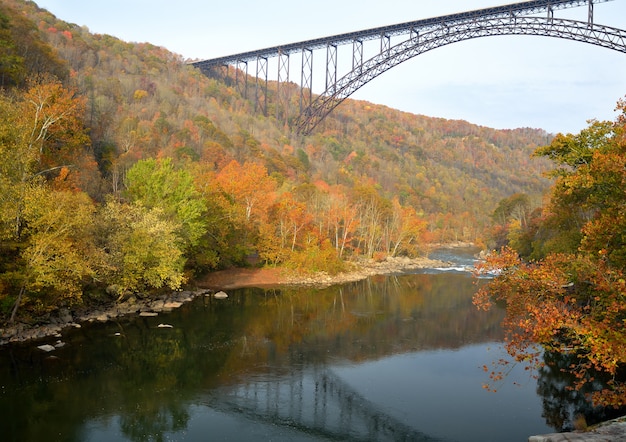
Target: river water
<point>390,358</point>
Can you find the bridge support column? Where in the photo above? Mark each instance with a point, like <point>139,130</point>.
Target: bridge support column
<point>385,43</point>
<point>261,85</point>
<point>331,68</point>
<point>282,87</point>
<point>590,17</point>
<point>242,66</point>
<point>357,55</point>
<point>306,79</point>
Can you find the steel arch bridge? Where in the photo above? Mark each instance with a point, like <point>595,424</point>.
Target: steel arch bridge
<point>535,18</point>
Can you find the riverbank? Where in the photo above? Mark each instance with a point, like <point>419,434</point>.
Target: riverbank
<point>210,285</point>
<point>613,430</point>
<point>272,276</point>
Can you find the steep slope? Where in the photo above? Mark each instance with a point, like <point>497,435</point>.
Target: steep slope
<point>144,101</point>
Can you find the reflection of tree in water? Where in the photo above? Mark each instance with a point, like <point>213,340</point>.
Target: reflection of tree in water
<point>151,424</point>
<point>145,376</point>
<point>562,405</point>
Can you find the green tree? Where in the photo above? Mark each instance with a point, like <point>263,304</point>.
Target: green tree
<point>158,184</point>
<point>11,64</point>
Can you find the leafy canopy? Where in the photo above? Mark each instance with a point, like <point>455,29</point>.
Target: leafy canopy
<point>575,302</point>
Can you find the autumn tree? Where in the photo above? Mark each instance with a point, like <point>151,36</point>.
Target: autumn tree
<point>342,218</point>
<point>60,256</point>
<point>403,230</point>
<point>250,188</point>
<point>23,51</point>
<point>40,131</point>
<point>143,250</point>
<point>249,193</point>
<point>373,213</point>
<point>288,229</point>
<point>574,300</point>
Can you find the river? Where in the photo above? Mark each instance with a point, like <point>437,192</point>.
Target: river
<point>389,358</point>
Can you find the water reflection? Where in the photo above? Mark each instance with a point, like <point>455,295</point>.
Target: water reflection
<point>383,359</point>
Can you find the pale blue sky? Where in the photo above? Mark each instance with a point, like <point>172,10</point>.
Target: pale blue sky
<point>501,82</point>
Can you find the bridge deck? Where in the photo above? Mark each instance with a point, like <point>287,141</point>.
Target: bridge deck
<point>514,9</point>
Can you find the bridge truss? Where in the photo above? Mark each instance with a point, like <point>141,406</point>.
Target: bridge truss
<point>410,39</point>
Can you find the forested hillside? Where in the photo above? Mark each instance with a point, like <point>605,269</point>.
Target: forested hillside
<point>122,167</point>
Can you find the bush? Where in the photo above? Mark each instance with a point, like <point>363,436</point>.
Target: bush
<point>315,259</point>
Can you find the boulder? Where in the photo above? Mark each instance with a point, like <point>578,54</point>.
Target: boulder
<point>220,295</point>
<point>65,316</point>
<point>46,347</point>
<point>172,305</point>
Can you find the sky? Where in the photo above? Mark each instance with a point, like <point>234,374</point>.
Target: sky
<point>501,82</point>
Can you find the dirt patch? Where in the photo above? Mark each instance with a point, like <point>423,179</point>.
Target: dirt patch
<point>237,278</point>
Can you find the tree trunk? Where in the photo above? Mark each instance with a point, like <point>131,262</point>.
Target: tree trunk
<point>17,304</point>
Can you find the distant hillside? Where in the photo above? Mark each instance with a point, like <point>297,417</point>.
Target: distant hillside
<point>145,102</point>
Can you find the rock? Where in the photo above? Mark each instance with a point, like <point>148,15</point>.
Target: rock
<point>148,314</point>
<point>165,326</point>
<point>220,295</point>
<point>65,316</point>
<point>172,305</point>
<point>59,344</point>
<point>613,430</point>
<point>46,347</point>
<point>158,304</point>
<point>126,308</point>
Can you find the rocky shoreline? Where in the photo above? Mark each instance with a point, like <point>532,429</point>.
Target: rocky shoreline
<point>68,319</point>
<point>613,430</point>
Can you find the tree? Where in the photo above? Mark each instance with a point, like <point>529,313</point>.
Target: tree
<point>40,131</point>
<point>249,192</point>
<point>575,302</point>
<point>338,219</point>
<point>60,255</point>
<point>404,229</point>
<point>565,303</point>
<point>23,51</point>
<point>374,212</point>
<point>143,249</point>
<point>249,187</point>
<point>158,184</point>
<point>11,64</point>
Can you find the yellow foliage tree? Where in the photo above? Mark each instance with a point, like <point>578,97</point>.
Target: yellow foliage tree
<point>60,255</point>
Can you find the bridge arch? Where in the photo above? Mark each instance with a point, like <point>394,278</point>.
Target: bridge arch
<point>443,35</point>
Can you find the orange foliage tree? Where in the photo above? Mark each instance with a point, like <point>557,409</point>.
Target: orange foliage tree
<point>573,301</point>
